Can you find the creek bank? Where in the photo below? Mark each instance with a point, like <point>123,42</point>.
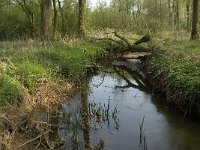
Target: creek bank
<point>86,69</point>
<point>167,80</point>
<point>111,106</point>
<point>171,79</point>
<point>47,80</point>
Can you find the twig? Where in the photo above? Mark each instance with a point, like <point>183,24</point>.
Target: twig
<point>39,136</point>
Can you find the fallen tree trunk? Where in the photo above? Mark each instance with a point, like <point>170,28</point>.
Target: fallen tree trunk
<point>144,39</point>
<point>136,48</point>
<point>122,38</point>
<point>127,46</point>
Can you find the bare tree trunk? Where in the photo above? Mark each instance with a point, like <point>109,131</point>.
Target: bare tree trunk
<point>54,18</point>
<point>177,16</point>
<point>82,18</point>
<point>62,18</point>
<point>46,19</point>
<point>160,14</point>
<point>174,14</point>
<point>188,15</point>
<point>169,12</point>
<point>194,33</point>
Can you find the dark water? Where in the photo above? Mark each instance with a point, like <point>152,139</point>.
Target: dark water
<point>115,110</point>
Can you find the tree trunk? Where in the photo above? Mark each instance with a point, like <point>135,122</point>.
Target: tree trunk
<point>160,14</point>
<point>177,16</point>
<point>54,18</point>
<point>63,29</point>
<point>82,18</point>
<point>174,14</point>
<point>194,33</point>
<point>169,12</point>
<point>188,15</point>
<point>46,19</point>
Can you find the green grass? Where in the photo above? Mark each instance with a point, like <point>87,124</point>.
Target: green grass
<point>10,90</point>
<point>178,72</point>
<point>23,63</point>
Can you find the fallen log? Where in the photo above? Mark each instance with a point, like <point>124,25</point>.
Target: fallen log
<point>127,46</point>
<point>122,38</point>
<point>109,39</point>
<point>136,48</point>
<point>144,39</point>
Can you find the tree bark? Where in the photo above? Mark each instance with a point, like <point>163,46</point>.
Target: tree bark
<point>169,12</point>
<point>177,16</point>
<point>54,18</point>
<point>195,33</point>
<point>188,15</point>
<point>160,13</point>
<point>63,29</point>
<point>82,18</point>
<point>46,19</point>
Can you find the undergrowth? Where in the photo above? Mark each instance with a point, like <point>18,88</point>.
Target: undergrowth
<point>177,73</point>
<point>23,63</point>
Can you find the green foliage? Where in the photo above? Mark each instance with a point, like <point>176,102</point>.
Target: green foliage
<point>180,70</point>
<point>42,59</point>
<point>9,90</point>
<point>138,16</point>
<point>13,25</point>
<point>110,17</point>
<point>28,74</point>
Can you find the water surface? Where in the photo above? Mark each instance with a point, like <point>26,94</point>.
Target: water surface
<point>116,110</point>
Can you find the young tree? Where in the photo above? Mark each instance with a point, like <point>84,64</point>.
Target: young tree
<point>54,18</point>
<point>46,19</point>
<point>82,18</point>
<point>194,33</point>
<point>169,12</point>
<point>188,14</point>
<point>63,30</point>
<point>26,6</point>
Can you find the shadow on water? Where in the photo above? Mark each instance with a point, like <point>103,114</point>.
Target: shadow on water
<point>116,110</point>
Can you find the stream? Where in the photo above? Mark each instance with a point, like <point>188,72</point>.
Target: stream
<point>116,110</point>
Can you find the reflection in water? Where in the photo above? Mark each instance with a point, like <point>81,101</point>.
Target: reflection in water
<point>135,75</point>
<point>54,138</point>
<point>85,120</point>
<point>143,143</point>
<point>101,114</point>
<point>109,114</point>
